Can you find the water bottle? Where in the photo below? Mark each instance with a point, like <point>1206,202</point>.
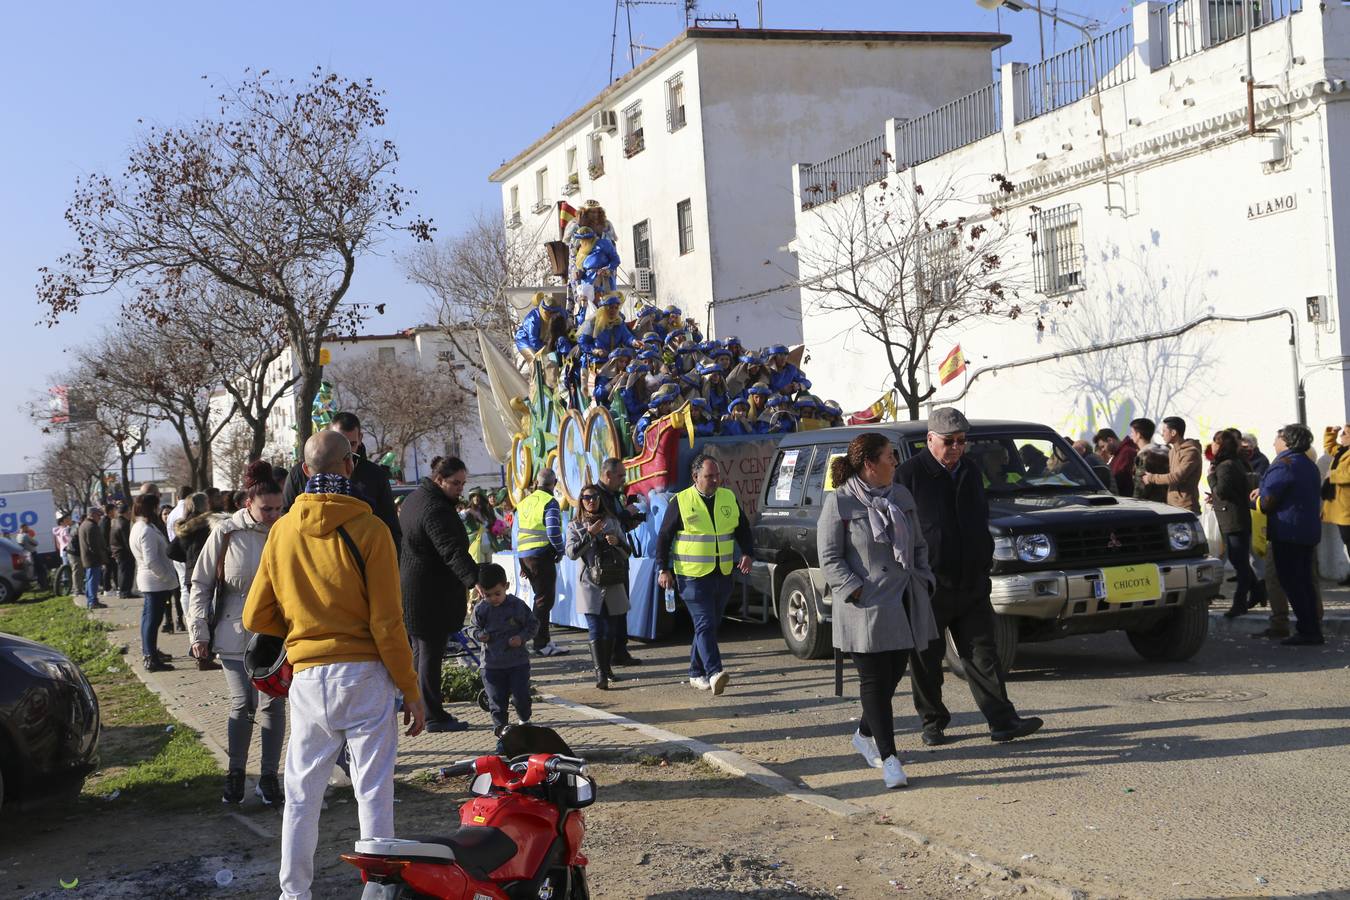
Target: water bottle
<point>670,599</point>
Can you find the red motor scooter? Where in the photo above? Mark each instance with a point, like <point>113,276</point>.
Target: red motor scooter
<point>520,837</point>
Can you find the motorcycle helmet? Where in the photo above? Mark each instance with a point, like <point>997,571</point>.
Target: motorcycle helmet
<point>267,666</point>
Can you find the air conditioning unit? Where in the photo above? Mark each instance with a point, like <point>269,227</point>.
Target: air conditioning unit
<point>643,281</point>
<point>605,120</point>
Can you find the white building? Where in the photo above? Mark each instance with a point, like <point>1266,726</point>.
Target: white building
<point>424,346</point>
<point>690,155</point>
<point>1152,206</point>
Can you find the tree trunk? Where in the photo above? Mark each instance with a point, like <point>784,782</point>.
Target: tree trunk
<point>311,374</point>
<point>255,447</point>
<point>126,475</point>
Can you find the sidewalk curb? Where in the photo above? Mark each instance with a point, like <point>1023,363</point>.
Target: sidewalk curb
<point>735,764</point>
<point>1333,625</point>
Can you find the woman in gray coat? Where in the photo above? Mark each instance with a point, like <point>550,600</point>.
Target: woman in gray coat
<point>875,561</point>
<point>595,538</point>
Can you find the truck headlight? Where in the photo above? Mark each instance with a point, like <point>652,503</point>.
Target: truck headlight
<point>1033,548</point>
<point>1181,535</point>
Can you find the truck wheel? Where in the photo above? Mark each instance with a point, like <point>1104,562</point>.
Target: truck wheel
<point>1177,637</point>
<point>1005,640</point>
<point>805,635</point>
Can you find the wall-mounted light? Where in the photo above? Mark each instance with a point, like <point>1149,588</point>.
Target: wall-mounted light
<point>1136,121</point>
<point>1066,146</point>
<point>1042,156</point>
<point>1188,102</point>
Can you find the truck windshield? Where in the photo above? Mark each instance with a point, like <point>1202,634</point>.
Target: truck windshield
<point>1012,463</point>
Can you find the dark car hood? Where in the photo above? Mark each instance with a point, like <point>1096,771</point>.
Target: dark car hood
<point>1078,509</point>
<point>13,640</point>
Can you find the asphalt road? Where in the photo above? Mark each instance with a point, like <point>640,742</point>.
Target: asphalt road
<point>1227,775</point>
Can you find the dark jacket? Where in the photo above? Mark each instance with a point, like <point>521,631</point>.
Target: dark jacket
<point>434,567</point>
<point>1291,496</point>
<point>1230,483</point>
<point>119,537</point>
<point>494,626</point>
<point>93,548</point>
<point>369,483</point>
<point>190,535</point>
<point>1259,462</point>
<point>954,515</point>
<point>1122,469</point>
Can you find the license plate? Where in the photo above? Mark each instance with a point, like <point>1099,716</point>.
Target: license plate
<point>1128,584</point>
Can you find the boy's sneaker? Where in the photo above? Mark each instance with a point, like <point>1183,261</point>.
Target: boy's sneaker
<point>892,774</point>
<point>550,649</point>
<point>268,790</point>
<point>718,682</point>
<point>698,682</point>
<point>867,746</point>
<point>234,787</point>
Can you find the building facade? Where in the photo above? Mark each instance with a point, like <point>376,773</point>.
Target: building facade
<point>425,347</point>
<point>690,156</point>
<point>1146,199</point>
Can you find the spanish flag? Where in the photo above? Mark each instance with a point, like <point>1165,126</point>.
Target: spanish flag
<point>954,364</point>
<point>566,213</point>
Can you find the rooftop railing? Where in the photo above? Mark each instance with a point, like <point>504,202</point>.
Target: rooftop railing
<point>1185,27</point>
<point>1106,61</point>
<point>956,124</point>
<point>844,172</point>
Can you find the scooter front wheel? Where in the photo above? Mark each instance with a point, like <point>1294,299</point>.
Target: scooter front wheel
<point>580,890</point>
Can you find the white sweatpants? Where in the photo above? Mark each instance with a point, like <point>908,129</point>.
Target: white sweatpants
<point>352,702</point>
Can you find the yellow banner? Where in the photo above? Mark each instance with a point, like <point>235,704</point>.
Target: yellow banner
<point>1126,584</point>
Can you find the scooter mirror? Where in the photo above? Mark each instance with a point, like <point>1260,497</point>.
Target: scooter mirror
<point>481,786</point>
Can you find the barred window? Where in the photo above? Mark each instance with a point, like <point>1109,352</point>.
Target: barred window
<point>1058,256</point>
<point>675,103</point>
<point>940,266</point>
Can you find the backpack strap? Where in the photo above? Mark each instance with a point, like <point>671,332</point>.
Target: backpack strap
<point>356,553</point>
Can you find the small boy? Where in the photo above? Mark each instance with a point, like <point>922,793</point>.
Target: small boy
<point>503,624</point>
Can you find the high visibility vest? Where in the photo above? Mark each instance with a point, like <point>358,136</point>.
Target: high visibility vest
<point>705,543</point>
<point>530,531</point>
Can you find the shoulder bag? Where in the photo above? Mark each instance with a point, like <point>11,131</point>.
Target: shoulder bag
<point>217,604</point>
<point>609,565</point>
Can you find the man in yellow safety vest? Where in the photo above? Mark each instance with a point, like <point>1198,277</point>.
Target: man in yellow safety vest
<point>695,550</point>
<point>539,546</point>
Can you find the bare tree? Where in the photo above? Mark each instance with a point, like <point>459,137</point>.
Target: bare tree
<point>232,452</point>
<point>908,263</point>
<point>467,277</point>
<point>399,403</point>
<point>177,466</point>
<point>148,365</point>
<point>72,467</point>
<point>276,195</point>
<point>1143,379</point>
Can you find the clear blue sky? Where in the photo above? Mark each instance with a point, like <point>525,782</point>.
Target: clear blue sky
<point>468,85</point>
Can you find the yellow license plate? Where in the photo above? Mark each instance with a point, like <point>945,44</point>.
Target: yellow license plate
<point>1127,584</point>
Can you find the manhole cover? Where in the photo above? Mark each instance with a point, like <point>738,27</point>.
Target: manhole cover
<point>1201,695</point>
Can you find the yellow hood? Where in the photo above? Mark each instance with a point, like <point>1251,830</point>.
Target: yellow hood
<point>321,514</point>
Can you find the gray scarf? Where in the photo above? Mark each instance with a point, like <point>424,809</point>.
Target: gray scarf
<point>886,519</point>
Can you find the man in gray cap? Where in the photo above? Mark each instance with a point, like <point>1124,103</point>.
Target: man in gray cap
<point>954,514</point>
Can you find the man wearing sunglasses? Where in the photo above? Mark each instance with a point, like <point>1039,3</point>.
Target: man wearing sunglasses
<point>953,511</point>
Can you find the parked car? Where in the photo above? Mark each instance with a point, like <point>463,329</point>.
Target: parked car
<point>16,571</point>
<point>1069,556</point>
<point>49,722</point>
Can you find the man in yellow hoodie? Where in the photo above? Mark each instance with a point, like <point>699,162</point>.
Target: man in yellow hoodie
<point>328,584</point>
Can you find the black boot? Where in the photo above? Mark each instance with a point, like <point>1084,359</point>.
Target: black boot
<point>621,656</point>
<point>607,659</point>
<point>597,660</point>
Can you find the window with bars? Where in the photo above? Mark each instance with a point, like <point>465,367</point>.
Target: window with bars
<point>573,182</point>
<point>633,142</point>
<point>1227,19</point>
<point>595,159</point>
<point>642,244</point>
<point>684,222</point>
<point>1058,256</point>
<point>940,257</point>
<point>675,103</point>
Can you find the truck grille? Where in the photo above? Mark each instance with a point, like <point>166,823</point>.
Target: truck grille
<point>1106,544</point>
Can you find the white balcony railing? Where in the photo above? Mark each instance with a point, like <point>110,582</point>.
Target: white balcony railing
<point>963,121</point>
<point>844,172</point>
<point>1186,27</point>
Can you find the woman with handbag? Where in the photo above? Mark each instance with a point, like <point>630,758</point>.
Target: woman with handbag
<point>875,561</point>
<point>595,538</point>
<point>220,581</point>
<point>1336,486</point>
<point>1230,485</point>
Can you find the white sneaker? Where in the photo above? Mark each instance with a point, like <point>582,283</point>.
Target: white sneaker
<point>718,682</point>
<point>892,774</point>
<point>551,649</point>
<point>867,746</point>
<point>698,682</point>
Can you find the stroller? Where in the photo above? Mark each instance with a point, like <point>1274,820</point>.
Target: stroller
<point>467,653</point>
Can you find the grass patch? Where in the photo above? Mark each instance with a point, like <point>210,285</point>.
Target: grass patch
<point>144,752</point>
<point>460,684</point>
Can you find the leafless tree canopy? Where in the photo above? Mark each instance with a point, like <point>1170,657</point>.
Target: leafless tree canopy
<point>910,263</point>
<point>275,196</point>
<point>399,403</point>
<point>72,465</point>
<point>467,277</point>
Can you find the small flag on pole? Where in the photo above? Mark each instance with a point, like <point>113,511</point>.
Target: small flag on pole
<point>566,213</point>
<point>881,411</point>
<point>954,364</point>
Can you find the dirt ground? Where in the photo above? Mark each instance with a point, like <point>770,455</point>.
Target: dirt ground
<point>669,831</point>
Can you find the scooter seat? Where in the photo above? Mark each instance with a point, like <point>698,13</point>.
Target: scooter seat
<point>478,848</point>
<point>406,849</point>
